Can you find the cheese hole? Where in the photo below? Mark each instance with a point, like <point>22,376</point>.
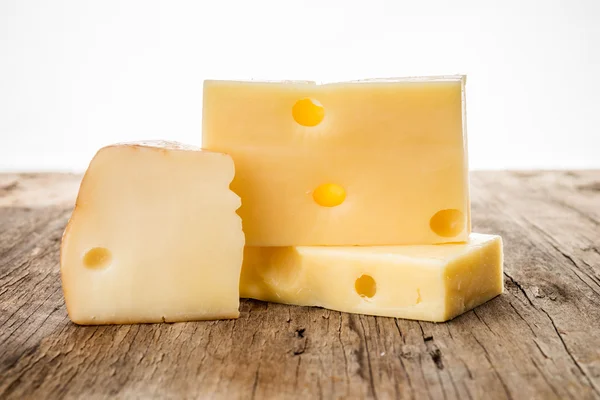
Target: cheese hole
<point>365,286</point>
<point>98,257</point>
<point>329,195</point>
<point>447,223</point>
<point>308,112</point>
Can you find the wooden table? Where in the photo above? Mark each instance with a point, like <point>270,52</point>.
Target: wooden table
<point>540,339</point>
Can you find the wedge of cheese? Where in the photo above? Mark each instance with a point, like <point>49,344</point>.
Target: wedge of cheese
<point>427,282</point>
<point>359,163</point>
<point>154,237</point>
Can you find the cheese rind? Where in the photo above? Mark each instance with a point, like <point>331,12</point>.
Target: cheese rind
<point>396,149</point>
<point>154,237</point>
<point>426,282</point>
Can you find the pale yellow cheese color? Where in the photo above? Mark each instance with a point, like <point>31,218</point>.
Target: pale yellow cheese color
<point>423,282</point>
<point>358,163</point>
<point>154,237</point>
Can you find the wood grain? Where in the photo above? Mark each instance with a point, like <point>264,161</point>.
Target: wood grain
<point>540,340</point>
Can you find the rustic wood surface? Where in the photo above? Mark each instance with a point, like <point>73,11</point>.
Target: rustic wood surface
<point>539,340</point>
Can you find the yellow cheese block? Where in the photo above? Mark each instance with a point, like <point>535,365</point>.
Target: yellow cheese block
<point>154,237</point>
<point>428,282</point>
<point>358,163</point>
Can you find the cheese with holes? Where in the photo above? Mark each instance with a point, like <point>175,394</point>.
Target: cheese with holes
<point>358,163</point>
<point>154,237</point>
<point>422,282</point>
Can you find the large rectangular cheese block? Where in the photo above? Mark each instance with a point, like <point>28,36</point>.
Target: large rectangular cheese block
<point>357,163</point>
<point>423,282</point>
<point>154,237</point>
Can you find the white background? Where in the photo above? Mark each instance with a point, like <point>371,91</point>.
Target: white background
<point>77,75</point>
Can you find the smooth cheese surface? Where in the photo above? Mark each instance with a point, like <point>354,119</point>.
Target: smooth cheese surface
<point>358,163</point>
<point>154,237</point>
<point>425,282</point>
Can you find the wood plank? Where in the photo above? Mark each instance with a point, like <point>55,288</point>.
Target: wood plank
<point>38,190</point>
<point>540,340</point>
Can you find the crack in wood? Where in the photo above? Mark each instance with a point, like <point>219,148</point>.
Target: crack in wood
<point>370,369</point>
<point>483,322</point>
<point>493,367</point>
<point>540,349</point>
<point>577,267</point>
<point>595,249</point>
<point>522,318</point>
<point>576,210</point>
<point>436,356</point>
<point>29,315</point>
<point>408,378</point>
<point>518,286</point>
<point>550,385</point>
<point>579,367</point>
<point>339,337</point>
<point>255,384</point>
<point>550,241</point>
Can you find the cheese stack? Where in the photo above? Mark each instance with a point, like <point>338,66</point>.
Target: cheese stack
<point>355,196</point>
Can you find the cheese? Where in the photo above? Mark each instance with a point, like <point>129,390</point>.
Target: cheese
<point>422,282</point>
<point>154,237</point>
<point>358,163</point>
